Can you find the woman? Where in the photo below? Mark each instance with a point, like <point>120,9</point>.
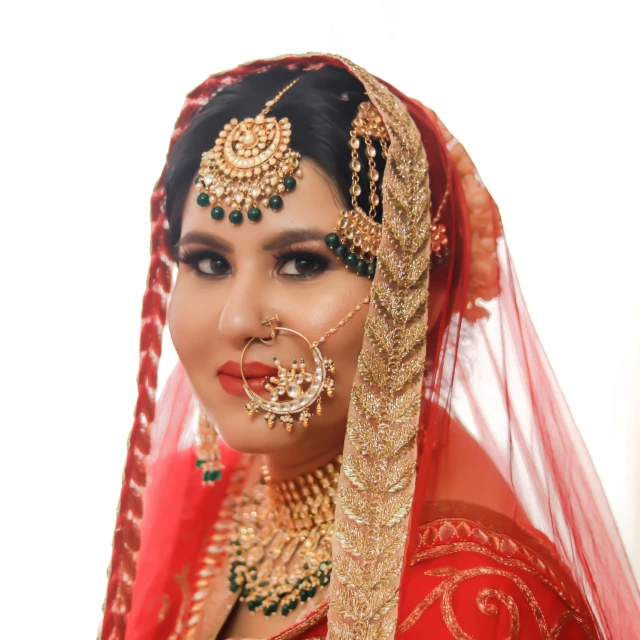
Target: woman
<point>337,254</point>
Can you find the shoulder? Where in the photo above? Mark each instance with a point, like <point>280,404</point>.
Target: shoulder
<point>464,470</point>
<point>472,579</point>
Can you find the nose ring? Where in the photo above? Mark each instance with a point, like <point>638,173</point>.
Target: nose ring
<point>272,323</point>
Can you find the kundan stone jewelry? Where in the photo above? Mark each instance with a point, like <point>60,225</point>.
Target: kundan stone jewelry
<point>251,165</point>
<point>293,391</point>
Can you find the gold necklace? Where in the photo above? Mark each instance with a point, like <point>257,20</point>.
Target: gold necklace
<point>280,549</point>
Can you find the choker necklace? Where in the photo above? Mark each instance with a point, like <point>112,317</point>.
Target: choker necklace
<point>280,548</point>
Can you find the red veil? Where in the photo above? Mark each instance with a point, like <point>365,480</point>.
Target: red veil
<point>495,431</point>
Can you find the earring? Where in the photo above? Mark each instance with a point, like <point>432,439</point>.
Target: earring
<point>439,239</point>
<point>357,235</point>
<point>293,391</point>
<point>208,451</point>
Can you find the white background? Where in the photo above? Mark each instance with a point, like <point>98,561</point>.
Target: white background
<point>541,94</point>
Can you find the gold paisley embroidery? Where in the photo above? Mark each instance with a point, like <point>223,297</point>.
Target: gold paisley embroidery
<point>446,589</point>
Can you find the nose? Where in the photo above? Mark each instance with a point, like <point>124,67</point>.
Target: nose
<point>246,305</point>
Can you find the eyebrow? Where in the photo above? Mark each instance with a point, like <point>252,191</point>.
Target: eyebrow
<point>197,237</point>
<point>280,241</point>
<point>293,236</point>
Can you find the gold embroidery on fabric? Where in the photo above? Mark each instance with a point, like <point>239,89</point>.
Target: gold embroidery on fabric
<point>437,540</point>
<point>499,546</point>
<point>376,488</point>
<point>379,476</point>
<point>446,589</point>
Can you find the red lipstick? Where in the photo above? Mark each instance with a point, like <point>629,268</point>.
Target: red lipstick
<point>255,372</point>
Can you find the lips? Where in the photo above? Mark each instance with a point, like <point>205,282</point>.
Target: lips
<point>255,372</point>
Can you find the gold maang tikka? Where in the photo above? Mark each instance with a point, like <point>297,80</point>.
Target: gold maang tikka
<point>294,391</point>
<point>250,166</point>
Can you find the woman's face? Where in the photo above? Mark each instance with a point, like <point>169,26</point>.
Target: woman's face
<point>230,277</point>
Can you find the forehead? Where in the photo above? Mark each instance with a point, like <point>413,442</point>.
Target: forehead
<point>314,202</point>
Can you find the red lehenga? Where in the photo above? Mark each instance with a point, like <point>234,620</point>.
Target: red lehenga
<point>508,533</point>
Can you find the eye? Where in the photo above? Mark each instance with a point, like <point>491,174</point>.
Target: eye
<point>213,266</point>
<point>302,265</point>
<point>206,263</point>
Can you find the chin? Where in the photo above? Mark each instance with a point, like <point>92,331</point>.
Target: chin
<point>248,435</point>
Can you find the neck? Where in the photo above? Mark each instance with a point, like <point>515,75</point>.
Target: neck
<point>283,466</point>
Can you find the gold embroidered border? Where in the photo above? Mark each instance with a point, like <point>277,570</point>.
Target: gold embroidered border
<point>453,578</point>
<point>438,539</point>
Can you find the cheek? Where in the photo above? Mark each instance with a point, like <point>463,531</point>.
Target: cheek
<point>188,319</point>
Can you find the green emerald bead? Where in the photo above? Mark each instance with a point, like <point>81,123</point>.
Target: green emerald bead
<point>312,592</point>
<point>351,259</point>
<point>254,214</point>
<point>361,267</point>
<point>275,202</point>
<point>332,240</point>
<point>293,605</point>
<point>234,586</point>
<point>216,475</point>
<point>199,463</point>
<point>264,583</point>
<point>203,200</point>
<point>289,183</point>
<point>285,610</point>
<point>198,180</point>
<point>303,595</point>
<point>235,217</point>
<point>341,251</point>
<point>371,270</point>
<point>217,213</point>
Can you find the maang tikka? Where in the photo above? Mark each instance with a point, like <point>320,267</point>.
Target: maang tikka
<point>250,166</point>
<point>294,391</point>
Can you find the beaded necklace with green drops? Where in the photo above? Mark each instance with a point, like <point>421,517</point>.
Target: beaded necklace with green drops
<point>280,548</point>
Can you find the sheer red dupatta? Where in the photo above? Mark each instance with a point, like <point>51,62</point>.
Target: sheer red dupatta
<point>493,400</point>
<point>492,376</point>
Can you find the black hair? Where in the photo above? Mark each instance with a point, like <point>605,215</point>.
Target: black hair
<point>320,106</point>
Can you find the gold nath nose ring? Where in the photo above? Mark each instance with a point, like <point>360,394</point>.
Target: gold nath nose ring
<point>272,323</point>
